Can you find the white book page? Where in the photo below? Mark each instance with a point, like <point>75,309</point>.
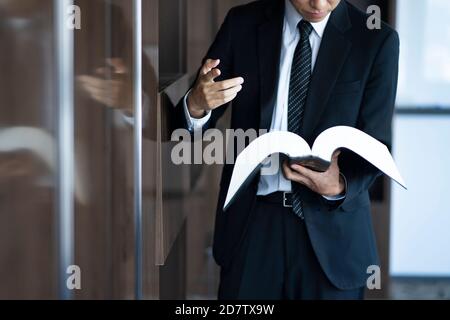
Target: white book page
<point>256,152</point>
<point>362,144</point>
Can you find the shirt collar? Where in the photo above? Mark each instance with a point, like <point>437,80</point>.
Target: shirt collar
<point>293,17</point>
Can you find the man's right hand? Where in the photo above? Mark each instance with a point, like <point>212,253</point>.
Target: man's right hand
<point>207,94</point>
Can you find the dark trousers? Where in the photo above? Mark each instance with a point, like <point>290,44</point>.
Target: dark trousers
<point>276,261</point>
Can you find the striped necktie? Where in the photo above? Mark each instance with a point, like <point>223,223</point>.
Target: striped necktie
<point>298,92</point>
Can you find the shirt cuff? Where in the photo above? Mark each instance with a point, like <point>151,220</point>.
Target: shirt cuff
<point>341,196</point>
<point>129,118</point>
<point>193,123</point>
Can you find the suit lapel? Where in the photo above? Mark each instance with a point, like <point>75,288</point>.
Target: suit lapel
<point>269,50</point>
<point>334,49</point>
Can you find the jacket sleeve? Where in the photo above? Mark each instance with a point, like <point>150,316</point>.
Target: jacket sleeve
<point>375,117</point>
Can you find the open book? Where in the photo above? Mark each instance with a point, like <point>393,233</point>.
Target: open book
<point>251,160</point>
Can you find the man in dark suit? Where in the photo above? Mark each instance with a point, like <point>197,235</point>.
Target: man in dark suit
<point>302,66</point>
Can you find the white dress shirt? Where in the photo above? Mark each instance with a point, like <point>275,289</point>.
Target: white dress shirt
<point>291,36</point>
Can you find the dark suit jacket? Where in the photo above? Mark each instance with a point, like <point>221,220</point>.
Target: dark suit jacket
<point>353,84</point>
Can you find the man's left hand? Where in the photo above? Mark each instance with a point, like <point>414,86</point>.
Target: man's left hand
<point>328,183</point>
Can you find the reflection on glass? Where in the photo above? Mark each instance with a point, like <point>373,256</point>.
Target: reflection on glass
<point>27,151</point>
<point>104,225</point>
<point>104,163</point>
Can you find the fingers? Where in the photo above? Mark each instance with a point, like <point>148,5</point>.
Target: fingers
<point>219,98</point>
<point>336,155</point>
<point>114,66</point>
<point>102,71</point>
<point>226,93</point>
<point>293,175</point>
<point>98,83</point>
<point>326,183</point>
<point>117,64</point>
<point>227,84</point>
<point>91,82</point>
<point>209,65</point>
<point>207,94</point>
<point>211,75</point>
<point>303,171</point>
<point>334,161</point>
<point>108,92</point>
<point>213,95</point>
